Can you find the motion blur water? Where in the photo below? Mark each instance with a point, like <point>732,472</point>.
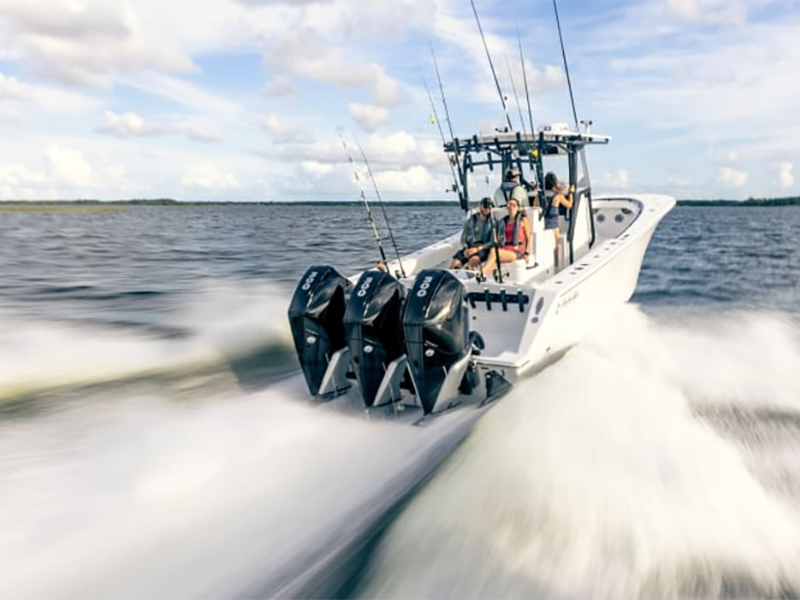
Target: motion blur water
<point>150,445</point>
<point>644,464</point>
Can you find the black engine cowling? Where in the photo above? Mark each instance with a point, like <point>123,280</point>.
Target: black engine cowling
<point>436,326</point>
<point>374,329</point>
<point>316,317</point>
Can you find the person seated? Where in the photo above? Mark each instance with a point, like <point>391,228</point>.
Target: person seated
<point>476,238</point>
<point>557,202</point>
<point>510,188</point>
<point>513,236</point>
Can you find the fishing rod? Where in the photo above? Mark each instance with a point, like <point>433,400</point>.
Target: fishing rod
<point>491,64</point>
<point>383,208</point>
<point>536,165</point>
<point>462,196</point>
<point>516,97</point>
<point>456,187</point>
<point>364,199</point>
<point>525,79</point>
<point>566,68</point>
<point>441,90</point>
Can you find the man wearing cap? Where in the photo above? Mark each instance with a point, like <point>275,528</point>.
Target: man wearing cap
<point>476,239</point>
<point>511,188</point>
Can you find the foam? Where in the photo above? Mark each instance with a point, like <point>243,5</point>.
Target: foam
<point>595,479</point>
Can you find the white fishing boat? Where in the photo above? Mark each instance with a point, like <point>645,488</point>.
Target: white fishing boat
<point>419,336</point>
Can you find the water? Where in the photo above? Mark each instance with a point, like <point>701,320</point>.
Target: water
<point>150,444</point>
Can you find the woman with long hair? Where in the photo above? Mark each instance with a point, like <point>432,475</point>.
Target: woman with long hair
<point>513,236</point>
<point>558,202</point>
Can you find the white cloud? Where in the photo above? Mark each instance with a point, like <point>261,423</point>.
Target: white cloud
<point>368,116</point>
<point>416,179</point>
<point>316,169</point>
<point>71,169</point>
<point>19,174</point>
<point>618,180</point>
<point>303,54</point>
<point>281,87</point>
<point>733,177</point>
<point>87,43</point>
<point>126,124</point>
<point>12,89</point>
<point>69,166</point>
<point>785,175</point>
<point>201,133</point>
<point>209,177</point>
<point>283,131</point>
<point>185,93</point>
<point>709,11</point>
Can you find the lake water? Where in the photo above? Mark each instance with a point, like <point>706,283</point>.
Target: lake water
<point>147,448</point>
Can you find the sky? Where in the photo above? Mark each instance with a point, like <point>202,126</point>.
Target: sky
<point>251,99</point>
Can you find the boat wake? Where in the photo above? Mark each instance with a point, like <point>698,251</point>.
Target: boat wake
<point>238,496</point>
<point>649,462</point>
<point>221,328</point>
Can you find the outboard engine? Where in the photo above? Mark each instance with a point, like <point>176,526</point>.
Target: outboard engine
<point>374,330</point>
<point>315,316</point>
<point>436,325</point>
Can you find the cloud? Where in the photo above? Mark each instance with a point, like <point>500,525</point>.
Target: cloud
<point>368,116</point>
<point>86,43</point>
<point>283,131</point>
<point>307,56</point>
<point>414,180</point>
<point>12,89</point>
<point>126,124</point>
<point>618,180</point>
<point>785,175</point>
<point>709,11</point>
<point>209,177</point>
<point>281,87</point>
<point>18,174</point>
<point>199,133</point>
<point>733,177</point>
<point>262,3</point>
<point>316,169</point>
<point>186,94</point>
<point>130,124</point>
<point>70,166</point>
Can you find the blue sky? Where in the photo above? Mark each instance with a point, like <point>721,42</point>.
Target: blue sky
<point>245,99</point>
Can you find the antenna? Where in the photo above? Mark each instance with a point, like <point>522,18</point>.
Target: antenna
<point>364,199</point>
<point>383,208</point>
<point>516,97</point>
<point>491,64</point>
<point>566,68</point>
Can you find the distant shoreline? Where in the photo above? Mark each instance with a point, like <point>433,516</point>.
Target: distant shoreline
<point>34,205</point>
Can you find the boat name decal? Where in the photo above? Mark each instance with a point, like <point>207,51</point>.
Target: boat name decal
<point>362,290</point>
<point>423,287</point>
<point>309,281</point>
<point>567,299</point>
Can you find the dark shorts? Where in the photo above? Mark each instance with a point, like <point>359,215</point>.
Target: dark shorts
<point>459,256</point>
<point>551,222</point>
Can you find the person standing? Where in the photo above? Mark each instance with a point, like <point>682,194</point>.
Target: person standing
<point>511,188</point>
<point>558,203</point>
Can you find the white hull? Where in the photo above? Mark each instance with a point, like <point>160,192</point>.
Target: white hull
<point>564,306</point>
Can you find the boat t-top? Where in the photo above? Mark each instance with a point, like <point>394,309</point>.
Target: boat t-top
<point>419,335</point>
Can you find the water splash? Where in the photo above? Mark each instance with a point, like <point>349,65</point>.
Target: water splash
<point>145,498</point>
<point>224,325</point>
<point>598,479</point>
